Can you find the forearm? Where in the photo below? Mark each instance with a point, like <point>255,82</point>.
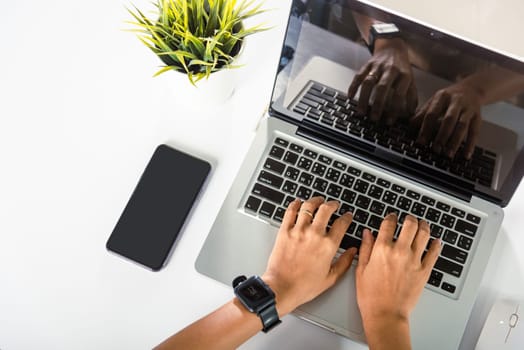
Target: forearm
<point>495,84</point>
<point>388,334</point>
<point>226,328</point>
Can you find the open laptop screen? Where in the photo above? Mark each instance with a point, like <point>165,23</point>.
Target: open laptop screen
<point>410,97</point>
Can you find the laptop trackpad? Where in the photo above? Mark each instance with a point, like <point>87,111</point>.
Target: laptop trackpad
<point>337,308</point>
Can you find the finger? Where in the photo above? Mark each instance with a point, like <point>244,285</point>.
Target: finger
<point>382,90</point>
<point>461,130</point>
<point>421,239</point>
<point>418,119</point>
<point>343,263</point>
<point>358,79</point>
<point>448,124</point>
<point>309,206</point>
<point>411,99</point>
<point>365,250</point>
<point>435,109</point>
<point>290,216</point>
<point>473,134</point>
<point>387,229</point>
<point>323,215</point>
<point>408,232</point>
<point>432,255</point>
<point>365,92</point>
<point>339,228</point>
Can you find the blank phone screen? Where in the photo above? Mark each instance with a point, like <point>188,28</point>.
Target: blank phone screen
<point>158,207</point>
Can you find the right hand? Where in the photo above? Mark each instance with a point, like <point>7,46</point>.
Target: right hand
<point>389,73</point>
<point>390,275</point>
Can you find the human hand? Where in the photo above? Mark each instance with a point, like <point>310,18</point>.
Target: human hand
<point>301,265</point>
<point>390,275</point>
<point>450,117</point>
<point>389,74</point>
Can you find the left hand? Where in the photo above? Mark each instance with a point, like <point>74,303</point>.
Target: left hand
<point>301,265</point>
<point>450,117</point>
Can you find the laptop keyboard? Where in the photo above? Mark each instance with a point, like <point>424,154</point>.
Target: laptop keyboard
<point>291,170</point>
<point>333,108</point>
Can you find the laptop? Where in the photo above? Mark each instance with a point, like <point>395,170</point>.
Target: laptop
<point>312,142</point>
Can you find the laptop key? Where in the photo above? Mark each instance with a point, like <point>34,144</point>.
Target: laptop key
<point>304,193</point>
<point>304,163</point>
<point>466,227</point>
<point>377,208</point>
<point>458,212</point>
<point>320,185</point>
<point>253,203</point>
<point>281,142</point>
<point>474,219</point>
<point>274,165</point>
<point>292,173</point>
<point>311,154</point>
<point>349,196</point>
<point>289,187</point>
<point>276,152</point>
<point>436,230</point>
<point>267,209</point>
<point>318,169</point>
<point>433,215</point>
<point>333,175</point>
<point>334,190</point>
<point>398,189</point>
<point>359,231</point>
<point>435,278</point>
<point>404,203</point>
<point>448,287</point>
<point>375,221</point>
<point>340,166</point>
<point>345,208</point>
<point>361,186</point>
<point>288,201</point>
<point>349,242</point>
<point>306,179</point>
<point>369,177</point>
<point>383,183</point>
<point>296,148</point>
<point>390,210</point>
<point>279,214</point>
<point>347,180</point>
<point>270,179</point>
<point>447,221</point>
<point>268,193</point>
<point>362,202</point>
<point>389,197</point>
<point>291,157</point>
<point>413,195</point>
<point>450,236</point>
<point>325,160</point>
<point>464,242</point>
<point>375,192</point>
<point>450,267</point>
<point>428,201</point>
<point>443,206</point>
<point>361,216</point>
<point>454,254</point>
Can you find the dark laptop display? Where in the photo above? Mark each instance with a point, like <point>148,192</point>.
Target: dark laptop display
<point>434,107</point>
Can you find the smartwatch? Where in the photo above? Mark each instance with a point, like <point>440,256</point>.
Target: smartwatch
<point>381,30</point>
<point>258,298</point>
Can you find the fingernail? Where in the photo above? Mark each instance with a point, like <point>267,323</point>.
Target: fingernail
<point>353,250</point>
<point>391,215</point>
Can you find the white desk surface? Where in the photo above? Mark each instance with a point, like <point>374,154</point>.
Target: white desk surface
<point>80,116</point>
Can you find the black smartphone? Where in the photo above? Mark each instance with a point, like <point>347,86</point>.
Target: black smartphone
<point>158,207</point>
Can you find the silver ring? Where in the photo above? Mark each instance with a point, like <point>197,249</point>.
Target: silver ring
<point>373,75</point>
<point>307,212</point>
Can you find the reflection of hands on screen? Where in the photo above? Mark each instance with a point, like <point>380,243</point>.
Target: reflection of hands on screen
<point>389,76</point>
<point>450,117</point>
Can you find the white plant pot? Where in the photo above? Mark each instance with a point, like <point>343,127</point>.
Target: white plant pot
<point>215,90</point>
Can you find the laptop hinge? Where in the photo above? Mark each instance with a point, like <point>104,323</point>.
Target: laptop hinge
<point>365,152</point>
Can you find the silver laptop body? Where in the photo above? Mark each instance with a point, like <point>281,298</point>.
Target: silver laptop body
<point>242,237</point>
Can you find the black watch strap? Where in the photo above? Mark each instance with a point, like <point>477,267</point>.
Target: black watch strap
<point>269,317</point>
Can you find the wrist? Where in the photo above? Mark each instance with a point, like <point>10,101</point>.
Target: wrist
<point>283,297</point>
<point>382,44</point>
<point>387,332</point>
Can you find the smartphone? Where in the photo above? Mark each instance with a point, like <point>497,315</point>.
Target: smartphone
<point>158,207</point>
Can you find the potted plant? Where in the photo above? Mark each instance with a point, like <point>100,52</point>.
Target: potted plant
<point>198,38</point>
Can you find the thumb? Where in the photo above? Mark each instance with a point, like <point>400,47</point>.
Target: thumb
<point>365,249</point>
<point>343,263</point>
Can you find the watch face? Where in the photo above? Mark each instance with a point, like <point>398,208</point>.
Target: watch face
<point>254,292</point>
